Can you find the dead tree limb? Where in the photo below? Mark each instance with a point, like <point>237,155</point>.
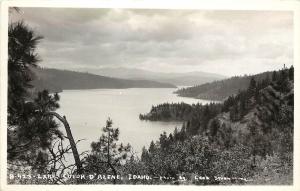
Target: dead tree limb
<point>71,139</point>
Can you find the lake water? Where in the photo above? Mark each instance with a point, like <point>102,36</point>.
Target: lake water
<point>88,110</point>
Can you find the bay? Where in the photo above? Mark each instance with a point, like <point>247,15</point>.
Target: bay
<point>88,110</point>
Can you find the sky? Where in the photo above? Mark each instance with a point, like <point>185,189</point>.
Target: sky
<point>223,42</point>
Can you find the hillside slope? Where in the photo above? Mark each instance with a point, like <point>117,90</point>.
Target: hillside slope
<point>272,112</point>
<point>179,79</point>
<point>220,90</point>
<point>57,80</point>
<point>249,135</point>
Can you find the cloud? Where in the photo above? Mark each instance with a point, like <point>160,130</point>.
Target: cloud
<point>171,40</point>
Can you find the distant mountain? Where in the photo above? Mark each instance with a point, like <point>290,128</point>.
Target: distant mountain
<point>180,79</point>
<point>220,90</point>
<point>57,80</point>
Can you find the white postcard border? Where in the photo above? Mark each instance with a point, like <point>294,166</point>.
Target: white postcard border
<point>186,4</point>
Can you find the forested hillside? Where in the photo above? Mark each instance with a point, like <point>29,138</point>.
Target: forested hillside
<point>220,90</point>
<point>249,136</point>
<point>57,80</point>
<point>179,111</point>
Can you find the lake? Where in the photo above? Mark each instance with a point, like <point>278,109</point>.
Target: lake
<point>88,110</point>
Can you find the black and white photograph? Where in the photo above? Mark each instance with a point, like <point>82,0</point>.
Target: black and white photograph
<point>149,96</point>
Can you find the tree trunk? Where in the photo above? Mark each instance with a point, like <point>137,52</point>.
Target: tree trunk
<point>72,142</point>
<point>108,158</point>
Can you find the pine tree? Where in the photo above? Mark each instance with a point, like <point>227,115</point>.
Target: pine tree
<point>163,140</point>
<point>252,87</point>
<point>214,127</point>
<point>22,42</point>
<point>283,82</point>
<point>106,154</point>
<point>152,147</point>
<point>291,73</point>
<point>30,132</point>
<point>274,76</point>
<point>145,155</point>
